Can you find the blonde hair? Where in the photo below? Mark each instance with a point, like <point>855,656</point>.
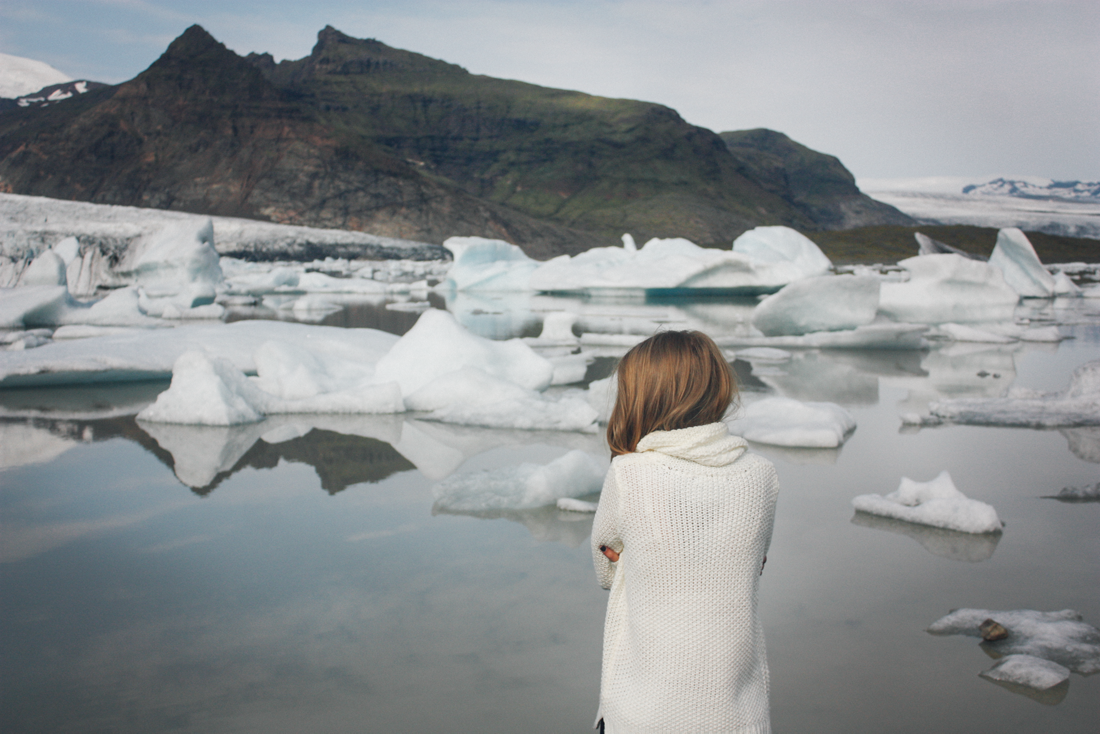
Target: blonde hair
<point>674,379</point>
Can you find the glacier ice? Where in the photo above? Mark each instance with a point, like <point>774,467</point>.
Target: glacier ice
<point>46,269</point>
<point>948,288</point>
<point>786,422</point>
<point>528,485</point>
<point>437,344</point>
<point>204,391</point>
<point>820,303</point>
<point>1077,405</point>
<point>783,246</point>
<point>1016,258</point>
<point>937,503</point>
<point>178,259</point>
<point>1062,637</point>
<point>488,265</point>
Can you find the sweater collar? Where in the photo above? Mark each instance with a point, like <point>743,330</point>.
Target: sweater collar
<point>709,445</point>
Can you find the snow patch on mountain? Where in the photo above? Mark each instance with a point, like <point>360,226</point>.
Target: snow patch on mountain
<point>20,76</point>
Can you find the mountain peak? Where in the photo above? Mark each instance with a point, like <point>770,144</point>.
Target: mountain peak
<point>193,43</point>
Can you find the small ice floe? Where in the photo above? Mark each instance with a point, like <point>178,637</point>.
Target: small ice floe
<point>570,504</point>
<point>958,546</point>
<point>1027,670</point>
<point>1077,405</point>
<point>470,396</point>
<point>763,354</point>
<point>870,336</point>
<point>1016,258</point>
<point>557,330</point>
<point>948,288</point>
<point>575,474</point>
<point>1061,637</point>
<point>822,303</point>
<point>963,333</point>
<point>786,422</point>
<point>1087,493</point>
<point>937,503</point>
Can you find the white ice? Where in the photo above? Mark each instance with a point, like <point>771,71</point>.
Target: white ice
<point>1062,637</point>
<point>470,396</point>
<point>820,303</point>
<point>1086,493</point>
<point>1024,273</point>
<point>437,344</point>
<point>763,354</point>
<point>786,247</point>
<point>143,354</point>
<point>1077,405</point>
<point>964,333</point>
<point>488,265</point>
<point>878,335</point>
<point>937,503</point>
<point>575,474</point>
<point>574,505</point>
<point>1027,670</point>
<point>948,288</point>
<point>787,422</point>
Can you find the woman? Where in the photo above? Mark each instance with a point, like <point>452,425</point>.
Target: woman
<point>680,538</point>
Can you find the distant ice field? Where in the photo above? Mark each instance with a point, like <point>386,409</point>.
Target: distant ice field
<point>940,200</point>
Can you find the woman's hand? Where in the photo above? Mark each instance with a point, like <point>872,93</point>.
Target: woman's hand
<point>763,564</point>
<point>611,554</point>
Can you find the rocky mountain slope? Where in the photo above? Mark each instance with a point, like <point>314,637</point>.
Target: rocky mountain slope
<point>362,136</point>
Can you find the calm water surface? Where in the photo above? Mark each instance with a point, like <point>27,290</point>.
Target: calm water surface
<point>292,576</point>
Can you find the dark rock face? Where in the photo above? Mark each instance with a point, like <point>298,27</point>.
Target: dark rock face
<point>362,136</point>
<point>817,184</point>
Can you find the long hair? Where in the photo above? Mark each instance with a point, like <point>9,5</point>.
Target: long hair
<point>674,379</point>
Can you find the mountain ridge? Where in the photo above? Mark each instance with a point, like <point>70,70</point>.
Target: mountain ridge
<point>359,135</point>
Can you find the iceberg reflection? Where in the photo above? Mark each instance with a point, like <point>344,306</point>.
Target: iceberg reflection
<point>970,547</point>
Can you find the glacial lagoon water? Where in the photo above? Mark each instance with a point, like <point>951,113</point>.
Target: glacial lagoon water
<point>293,575</point>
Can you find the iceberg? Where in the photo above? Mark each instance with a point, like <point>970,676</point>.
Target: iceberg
<point>787,422</point>
<point>487,265</point>
<point>784,247</point>
<point>937,503</point>
<point>1016,258</point>
<point>948,288</point>
<point>1077,405</point>
<point>46,269</point>
<point>819,303</point>
<point>521,487</point>
<point>437,344</point>
<point>470,396</point>
<point>1061,637</point>
<point>177,260</point>
<point>149,354</point>
<point>1087,493</point>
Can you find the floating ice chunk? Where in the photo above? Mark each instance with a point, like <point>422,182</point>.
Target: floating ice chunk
<point>17,303</point>
<point>1016,258</point>
<point>783,245</point>
<point>145,354</point>
<point>525,486</point>
<point>470,396</point>
<point>1077,405</point>
<point>628,243</point>
<point>948,288</point>
<point>763,354</point>
<point>574,505</point>
<point>963,333</point>
<point>293,372</point>
<point>264,282</point>
<point>871,336</point>
<point>1027,670</point>
<point>821,303</point>
<point>437,344</point>
<point>320,282</point>
<point>787,422</point>
<point>174,260</point>
<point>68,250</point>
<point>585,270</point>
<point>204,391</point>
<point>601,396</point>
<point>558,327</point>
<point>487,265</point>
<point>568,368</point>
<point>46,269</point>
<point>1063,286</point>
<point>1087,493</point>
<point>1062,637</point>
<point>936,503</point>
<point>928,246</point>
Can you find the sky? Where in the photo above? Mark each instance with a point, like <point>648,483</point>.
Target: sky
<point>975,88</point>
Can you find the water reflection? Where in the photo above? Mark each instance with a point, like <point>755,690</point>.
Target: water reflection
<point>1084,442</point>
<point>969,547</point>
<point>1048,697</point>
<point>548,524</point>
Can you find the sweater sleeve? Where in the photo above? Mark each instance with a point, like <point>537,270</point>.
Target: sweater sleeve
<point>605,530</point>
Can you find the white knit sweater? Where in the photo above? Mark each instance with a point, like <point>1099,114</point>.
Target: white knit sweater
<point>691,512</point>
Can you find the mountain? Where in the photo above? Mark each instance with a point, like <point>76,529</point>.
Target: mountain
<point>362,136</point>
<point>51,94</point>
<point>816,184</point>
<point>20,76</point>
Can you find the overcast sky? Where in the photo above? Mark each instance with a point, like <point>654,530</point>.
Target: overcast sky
<point>894,89</point>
